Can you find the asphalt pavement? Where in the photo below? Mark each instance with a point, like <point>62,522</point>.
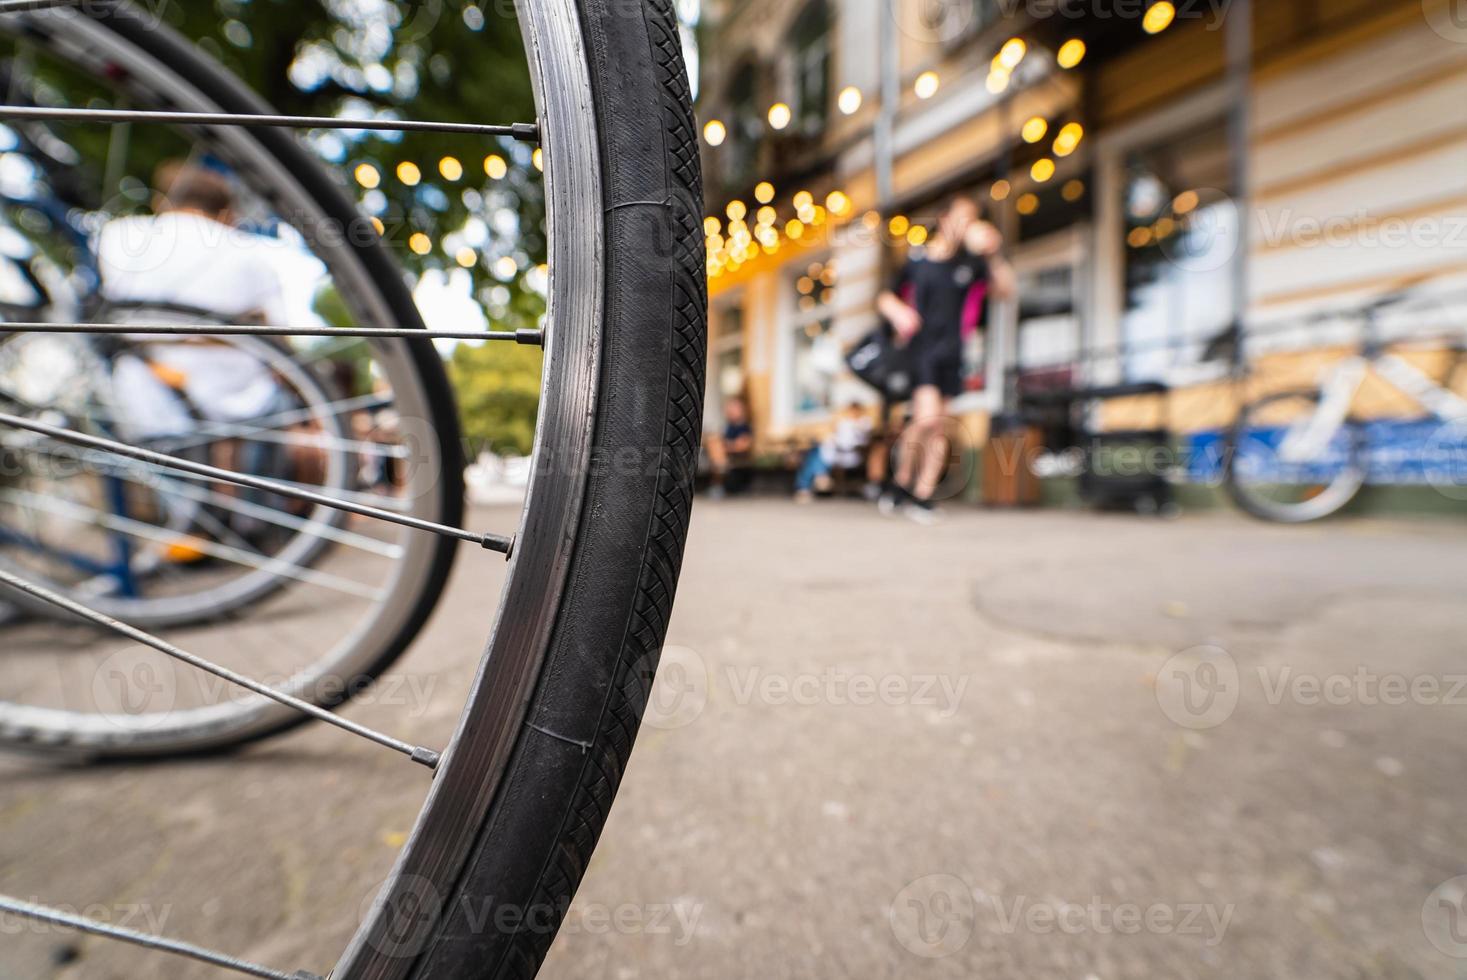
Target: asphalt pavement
<point>1017,745</point>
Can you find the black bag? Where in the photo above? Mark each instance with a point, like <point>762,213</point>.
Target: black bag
<point>883,363</point>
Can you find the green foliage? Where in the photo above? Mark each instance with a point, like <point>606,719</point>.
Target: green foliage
<point>498,389</point>
<point>451,60</point>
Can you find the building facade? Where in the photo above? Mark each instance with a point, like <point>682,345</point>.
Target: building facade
<point>1162,172</point>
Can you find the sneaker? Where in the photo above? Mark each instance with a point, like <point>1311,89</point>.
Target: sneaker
<point>892,499</point>
<point>922,512</point>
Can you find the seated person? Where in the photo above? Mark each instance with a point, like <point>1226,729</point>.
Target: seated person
<point>840,450</point>
<point>732,453</point>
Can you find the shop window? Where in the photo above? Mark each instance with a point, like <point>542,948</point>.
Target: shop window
<point>1049,344</point>
<point>1181,240</point>
<point>726,370</point>
<point>817,359</point>
<point>745,126</point>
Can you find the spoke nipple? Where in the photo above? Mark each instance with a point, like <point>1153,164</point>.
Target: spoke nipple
<point>529,338</point>
<point>497,542</point>
<point>425,757</point>
<point>526,132</point>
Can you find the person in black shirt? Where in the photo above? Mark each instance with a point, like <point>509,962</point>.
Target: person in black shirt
<point>933,296</point>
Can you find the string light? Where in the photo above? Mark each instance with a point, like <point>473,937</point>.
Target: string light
<point>1000,190</point>
<point>838,203</point>
<point>420,243</point>
<point>715,132</point>
<point>712,226</point>
<point>803,200</point>
<point>1042,170</point>
<point>899,226</point>
<point>780,115</point>
<point>1074,190</point>
<point>539,159</point>
<point>1159,17</point>
<point>450,168</point>
<point>1027,204</point>
<point>764,193</point>
<point>1012,53</point>
<point>495,166</point>
<point>1035,129</point>
<point>1071,53</point>
<point>368,176</point>
<point>408,173</point>
<point>917,236</point>
<point>795,230</point>
<point>998,81</point>
<point>737,210</point>
<point>467,257</point>
<point>927,84</point>
<point>1186,202</point>
<point>1068,139</point>
<point>850,100</point>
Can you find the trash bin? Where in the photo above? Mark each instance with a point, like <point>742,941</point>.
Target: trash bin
<point>1008,475</point>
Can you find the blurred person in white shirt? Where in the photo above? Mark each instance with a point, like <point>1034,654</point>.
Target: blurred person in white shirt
<point>189,256</point>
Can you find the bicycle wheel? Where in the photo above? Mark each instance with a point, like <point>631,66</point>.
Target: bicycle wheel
<point>1265,482</point>
<point>76,530</point>
<point>382,587</point>
<point>522,791</point>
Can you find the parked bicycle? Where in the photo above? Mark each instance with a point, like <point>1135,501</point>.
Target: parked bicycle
<point>1305,454</point>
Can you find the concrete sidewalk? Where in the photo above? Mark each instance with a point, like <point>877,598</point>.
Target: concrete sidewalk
<point>1015,745</point>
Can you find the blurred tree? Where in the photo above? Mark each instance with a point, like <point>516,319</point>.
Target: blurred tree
<point>498,388</point>
<point>473,202</point>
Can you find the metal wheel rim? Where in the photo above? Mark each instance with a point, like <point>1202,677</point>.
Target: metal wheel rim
<point>471,769</point>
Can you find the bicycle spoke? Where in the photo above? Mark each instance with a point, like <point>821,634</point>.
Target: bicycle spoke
<point>526,338</point>
<point>42,913</point>
<point>23,6</point>
<point>130,469</point>
<point>524,132</point>
<point>142,530</point>
<point>419,754</point>
<point>270,515</point>
<point>490,542</point>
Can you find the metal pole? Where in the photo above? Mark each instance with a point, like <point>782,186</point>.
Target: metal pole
<point>891,94</point>
<point>1240,83</point>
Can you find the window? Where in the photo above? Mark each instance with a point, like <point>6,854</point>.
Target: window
<point>817,359</point>
<point>1181,240</point>
<point>745,126</point>
<point>726,370</point>
<point>810,46</point>
<point>1049,328</point>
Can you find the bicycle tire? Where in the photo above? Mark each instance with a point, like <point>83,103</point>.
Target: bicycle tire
<point>1336,497</point>
<point>574,730</point>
